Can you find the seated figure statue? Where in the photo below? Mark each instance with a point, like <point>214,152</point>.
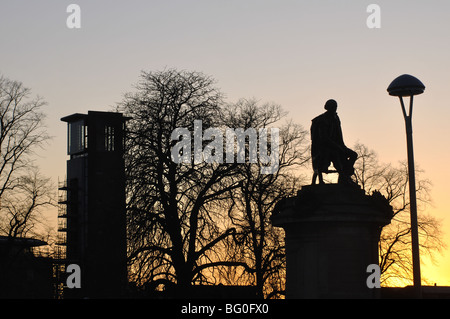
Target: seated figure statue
<point>327,146</point>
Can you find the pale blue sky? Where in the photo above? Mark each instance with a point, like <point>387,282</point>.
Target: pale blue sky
<point>295,53</point>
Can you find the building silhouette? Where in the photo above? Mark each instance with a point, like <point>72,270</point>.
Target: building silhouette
<point>24,272</point>
<point>92,219</point>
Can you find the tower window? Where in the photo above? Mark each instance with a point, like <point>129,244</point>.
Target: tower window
<point>77,137</point>
<point>109,138</point>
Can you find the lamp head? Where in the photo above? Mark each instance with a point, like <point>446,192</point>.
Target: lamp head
<point>406,85</point>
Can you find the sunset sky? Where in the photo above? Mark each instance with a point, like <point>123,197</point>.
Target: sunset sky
<point>295,53</point>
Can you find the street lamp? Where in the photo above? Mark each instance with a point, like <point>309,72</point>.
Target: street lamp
<point>408,85</point>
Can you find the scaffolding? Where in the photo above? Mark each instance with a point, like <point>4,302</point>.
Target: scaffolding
<point>59,265</point>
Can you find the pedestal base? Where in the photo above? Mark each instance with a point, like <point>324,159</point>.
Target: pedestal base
<point>332,235</point>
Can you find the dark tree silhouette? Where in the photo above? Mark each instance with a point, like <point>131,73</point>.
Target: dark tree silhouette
<point>23,191</point>
<point>22,210</point>
<point>173,208</point>
<point>395,242</point>
<point>256,241</point>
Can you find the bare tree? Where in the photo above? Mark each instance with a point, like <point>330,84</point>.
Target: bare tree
<point>173,208</point>
<point>22,190</point>
<point>257,242</point>
<point>23,208</point>
<point>395,242</point>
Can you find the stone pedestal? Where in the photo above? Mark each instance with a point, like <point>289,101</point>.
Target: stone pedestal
<point>332,234</point>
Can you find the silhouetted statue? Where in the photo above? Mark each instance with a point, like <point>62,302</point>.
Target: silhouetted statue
<point>328,146</point>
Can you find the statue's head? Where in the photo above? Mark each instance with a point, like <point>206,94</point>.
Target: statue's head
<point>331,105</point>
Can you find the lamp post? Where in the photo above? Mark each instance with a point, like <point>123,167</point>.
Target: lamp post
<point>403,86</point>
